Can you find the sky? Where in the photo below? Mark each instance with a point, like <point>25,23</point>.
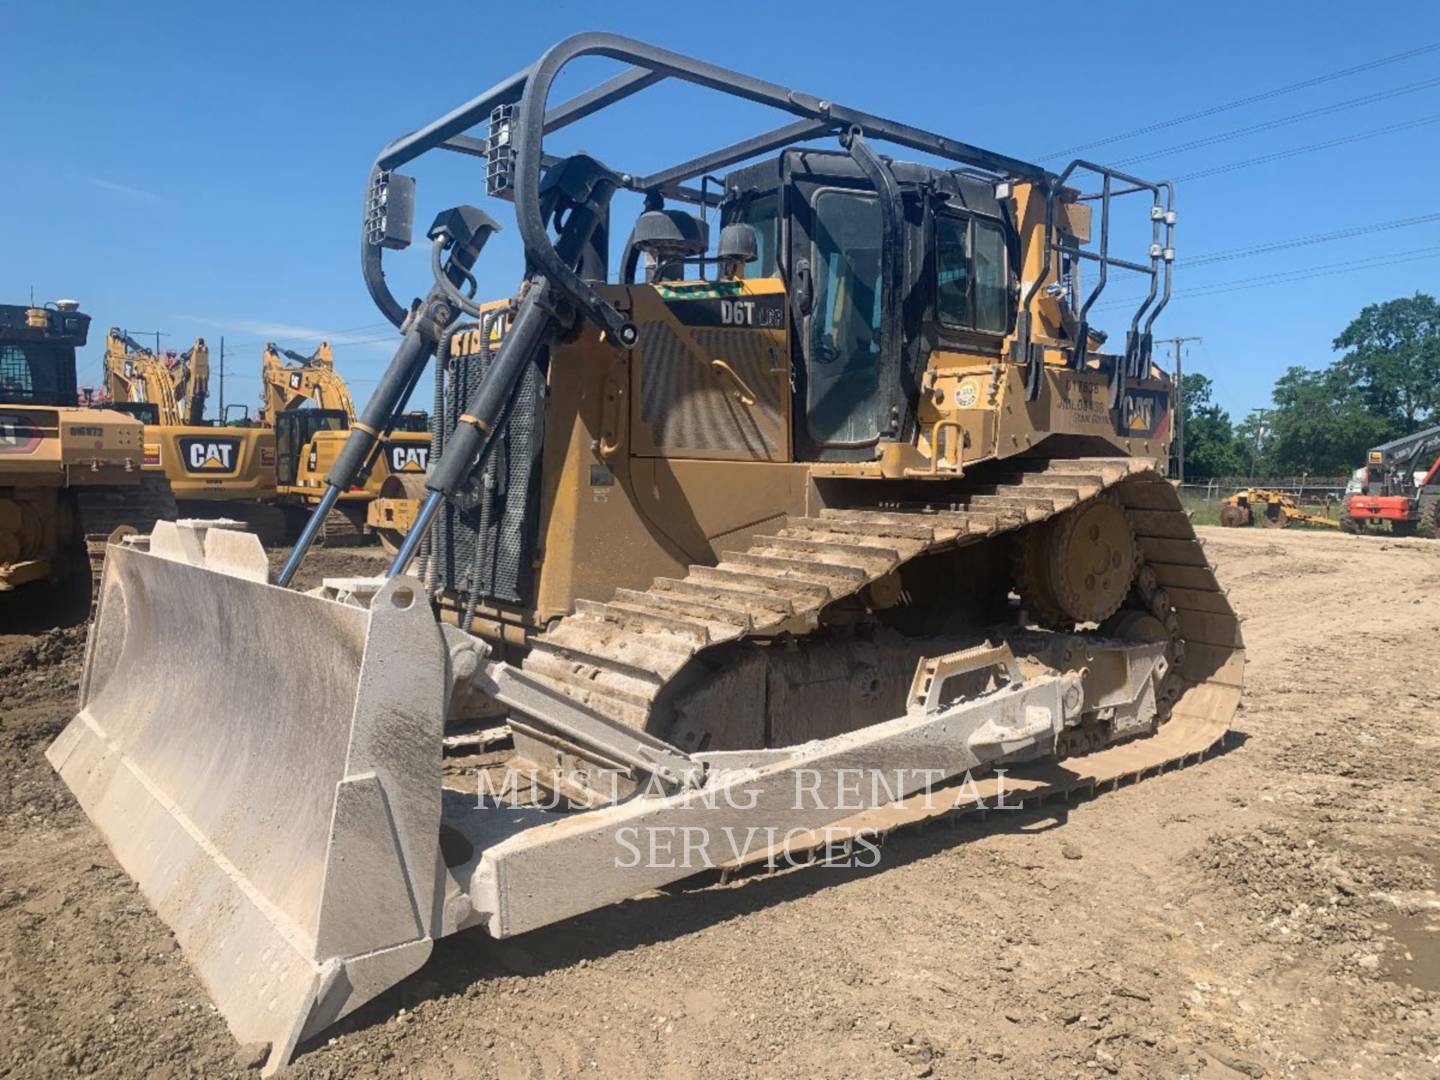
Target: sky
<point>199,169</point>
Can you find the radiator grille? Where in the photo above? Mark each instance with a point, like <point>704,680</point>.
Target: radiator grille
<point>484,539</point>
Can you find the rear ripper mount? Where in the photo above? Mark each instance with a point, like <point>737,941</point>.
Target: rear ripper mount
<point>295,834</point>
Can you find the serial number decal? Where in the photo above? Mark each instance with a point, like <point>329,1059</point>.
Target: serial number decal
<point>1084,404</point>
<point>753,312</point>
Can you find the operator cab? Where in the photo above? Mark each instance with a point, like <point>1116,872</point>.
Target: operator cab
<point>413,422</point>
<point>814,220</point>
<point>294,429</point>
<point>37,353</point>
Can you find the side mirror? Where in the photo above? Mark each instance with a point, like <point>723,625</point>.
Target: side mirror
<point>244,416</point>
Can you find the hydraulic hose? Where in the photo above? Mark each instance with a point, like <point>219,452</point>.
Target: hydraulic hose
<point>468,230</point>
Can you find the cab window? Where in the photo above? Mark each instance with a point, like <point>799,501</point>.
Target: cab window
<point>843,336</point>
<point>991,289</point>
<point>971,275</point>
<point>763,215</point>
<point>952,284</point>
<point>36,374</point>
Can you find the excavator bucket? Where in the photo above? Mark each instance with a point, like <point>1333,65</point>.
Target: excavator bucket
<point>266,765</point>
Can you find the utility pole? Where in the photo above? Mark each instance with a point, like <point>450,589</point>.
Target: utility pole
<point>1177,343</point>
<point>222,378</point>
<point>1259,415</point>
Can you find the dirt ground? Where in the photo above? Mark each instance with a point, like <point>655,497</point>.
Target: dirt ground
<point>1271,912</point>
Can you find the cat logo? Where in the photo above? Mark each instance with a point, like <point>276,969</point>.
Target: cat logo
<point>17,434</point>
<point>202,455</point>
<point>1139,415</point>
<point>295,381</point>
<point>408,459</point>
<point>1142,412</point>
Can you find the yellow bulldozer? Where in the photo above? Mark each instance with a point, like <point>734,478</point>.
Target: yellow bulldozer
<point>216,469</point>
<point>71,478</point>
<point>308,405</point>
<point>768,541</point>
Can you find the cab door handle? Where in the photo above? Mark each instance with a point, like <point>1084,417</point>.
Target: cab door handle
<point>743,393</point>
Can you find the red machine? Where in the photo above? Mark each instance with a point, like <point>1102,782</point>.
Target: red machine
<point>1400,483</point>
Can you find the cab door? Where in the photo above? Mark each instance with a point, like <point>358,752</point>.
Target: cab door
<point>836,255</point>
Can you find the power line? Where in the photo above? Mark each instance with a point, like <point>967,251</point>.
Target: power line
<point>358,329</point>
<point>1332,269</point>
<point>1286,277</point>
<point>1306,241</point>
<point>1283,121</point>
<point>1309,148</point>
<point>1239,103</point>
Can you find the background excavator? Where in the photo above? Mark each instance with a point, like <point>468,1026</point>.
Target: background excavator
<point>70,477</point>
<point>308,405</point>
<point>1400,484</point>
<point>215,469</point>
<point>853,491</point>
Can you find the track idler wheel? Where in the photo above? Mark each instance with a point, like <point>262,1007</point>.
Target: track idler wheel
<point>1080,564</point>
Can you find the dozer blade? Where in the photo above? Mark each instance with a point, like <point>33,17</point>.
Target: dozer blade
<point>266,765</point>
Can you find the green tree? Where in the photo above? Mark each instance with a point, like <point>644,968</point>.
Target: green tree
<point>1321,424</point>
<point>1392,360</point>
<point>1209,437</point>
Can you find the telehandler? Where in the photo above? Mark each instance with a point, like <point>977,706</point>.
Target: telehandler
<point>854,489</point>
<point>70,477</point>
<point>308,404</point>
<point>1400,484</point>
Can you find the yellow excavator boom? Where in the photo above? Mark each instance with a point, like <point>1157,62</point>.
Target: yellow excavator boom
<point>309,378</point>
<point>134,374</point>
<point>191,377</point>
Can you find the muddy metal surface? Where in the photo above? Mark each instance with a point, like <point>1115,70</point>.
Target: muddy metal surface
<point>1273,912</point>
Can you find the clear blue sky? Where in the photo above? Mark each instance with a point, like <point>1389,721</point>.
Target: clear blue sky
<point>198,168</point>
